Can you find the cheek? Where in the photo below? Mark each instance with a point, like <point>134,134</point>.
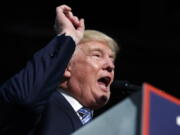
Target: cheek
<point>88,67</point>
<point>93,64</point>
<point>83,72</point>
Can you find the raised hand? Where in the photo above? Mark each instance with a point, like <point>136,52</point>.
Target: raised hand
<point>69,24</point>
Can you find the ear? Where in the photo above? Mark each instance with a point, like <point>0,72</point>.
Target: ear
<point>67,73</point>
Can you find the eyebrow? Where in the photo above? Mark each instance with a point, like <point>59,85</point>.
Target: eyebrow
<point>100,50</point>
<point>95,49</point>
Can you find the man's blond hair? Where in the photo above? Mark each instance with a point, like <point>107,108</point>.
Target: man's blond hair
<point>94,35</point>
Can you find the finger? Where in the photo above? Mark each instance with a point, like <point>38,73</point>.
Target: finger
<point>73,19</point>
<point>70,15</point>
<point>64,8</point>
<point>61,10</point>
<point>76,20</point>
<point>81,25</point>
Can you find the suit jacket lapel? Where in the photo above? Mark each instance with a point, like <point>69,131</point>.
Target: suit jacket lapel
<point>69,110</point>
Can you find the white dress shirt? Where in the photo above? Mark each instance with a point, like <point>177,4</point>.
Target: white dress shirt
<point>72,101</point>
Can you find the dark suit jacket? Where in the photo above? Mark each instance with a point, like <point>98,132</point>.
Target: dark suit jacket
<point>23,98</point>
<point>59,118</point>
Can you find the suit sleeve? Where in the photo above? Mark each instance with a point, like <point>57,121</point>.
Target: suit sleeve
<point>33,84</point>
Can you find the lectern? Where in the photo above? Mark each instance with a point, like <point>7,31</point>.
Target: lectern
<point>149,111</point>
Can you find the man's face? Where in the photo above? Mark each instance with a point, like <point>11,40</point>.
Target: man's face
<point>91,73</point>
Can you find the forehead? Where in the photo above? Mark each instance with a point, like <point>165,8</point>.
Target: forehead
<point>96,46</point>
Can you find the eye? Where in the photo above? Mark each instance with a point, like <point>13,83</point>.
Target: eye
<point>96,54</point>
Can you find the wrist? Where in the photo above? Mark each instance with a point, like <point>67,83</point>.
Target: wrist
<point>71,35</point>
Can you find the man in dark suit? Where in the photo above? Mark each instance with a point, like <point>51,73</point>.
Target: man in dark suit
<point>45,97</point>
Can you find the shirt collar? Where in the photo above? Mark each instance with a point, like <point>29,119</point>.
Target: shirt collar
<point>72,101</point>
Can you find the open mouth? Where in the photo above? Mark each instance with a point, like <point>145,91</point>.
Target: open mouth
<point>104,81</point>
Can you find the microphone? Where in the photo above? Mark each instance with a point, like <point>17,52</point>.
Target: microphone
<point>125,87</point>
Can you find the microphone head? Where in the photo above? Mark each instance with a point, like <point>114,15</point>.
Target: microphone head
<point>125,87</point>
<point>121,84</point>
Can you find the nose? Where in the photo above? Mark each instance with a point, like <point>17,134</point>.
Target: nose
<point>109,65</point>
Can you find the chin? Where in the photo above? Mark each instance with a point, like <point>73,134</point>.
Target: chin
<point>102,101</point>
